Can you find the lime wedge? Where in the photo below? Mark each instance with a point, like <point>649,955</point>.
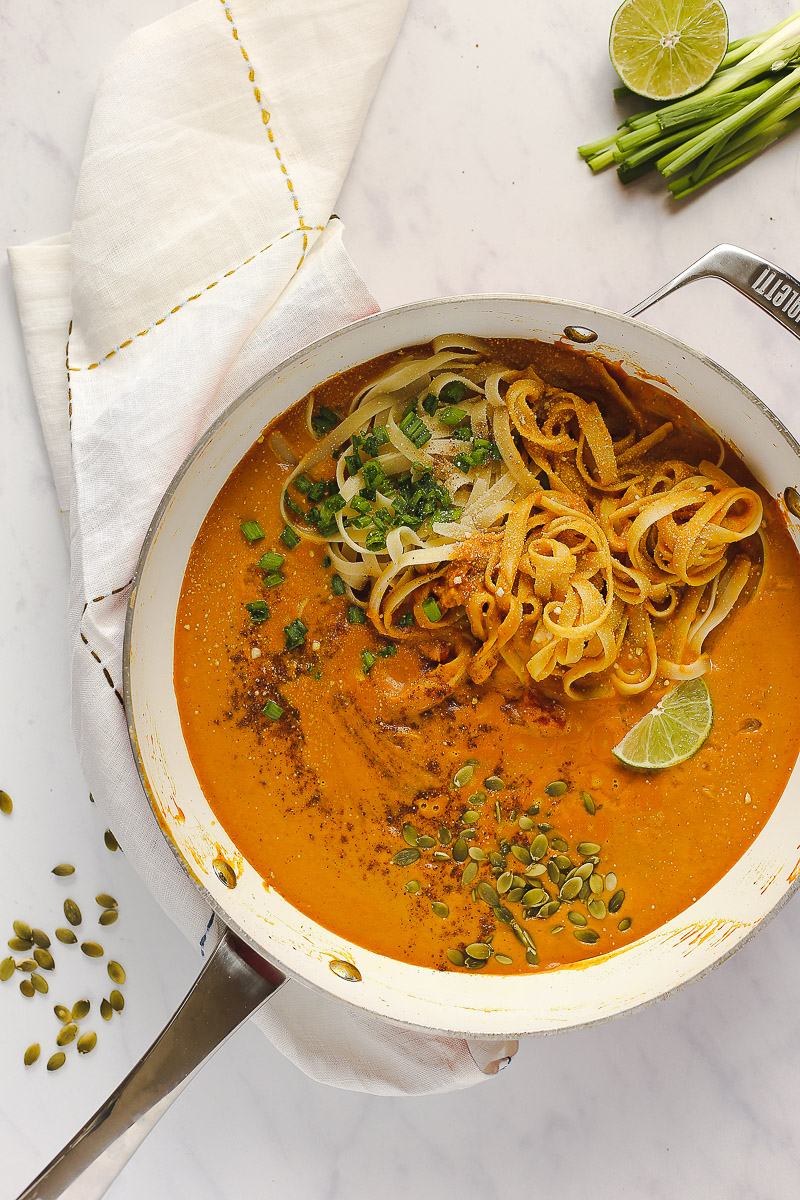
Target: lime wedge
<point>672,732</point>
<point>665,49</point>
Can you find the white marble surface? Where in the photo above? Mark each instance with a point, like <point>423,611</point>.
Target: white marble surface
<point>465,180</point>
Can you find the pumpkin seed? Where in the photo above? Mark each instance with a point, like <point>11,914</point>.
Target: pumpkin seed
<point>554,873</point>
<point>525,824</point>
<point>611,882</point>
<point>577,918</point>
<point>108,916</point>
<point>27,988</point>
<point>440,909</point>
<point>444,835</point>
<point>469,873</point>
<point>92,949</point>
<point>56,1060</point>
<point>549,909</point>
<point>441,856</point>
<point>534,897</point>
<point>412,887</point>
<point>404,858</point>
<point>522,854</point>
<point>596,883</point>
<point>456,958</point>
<point>559,845</point>
<point>535,870</point>
<point>62,1013</point>
<point>66,936</point>
<point>544,826</point>
<point>63,869</point>
<point>27,965</point>
<point>470,817</point>
<point>7,968</point>
<point>106,901</point>
<point>584,871</point>
<point>588,804</point>
<point>557,788</point>
<point>110,841</point>
<point>72,912</point>
<point>585,892</point>
<point>19,944</point>
<point>616,902</point>
<point>117,1000</point>
<point>426,843</point>
<point>497,860</point>
<point>460,850</point>
<point>597,909</point>
<point>487,894</point>
<point>531,957</point>
<point>339,966</point>
<point>539,845</point>
<point>494,783</point>
<point>477,799</point>
<point>588,936</point>
<point>410,835</point>
<point>6,804</point>
<point>67,1034</point>
<point>31,1054</point>
<point>504,882</point>
<point>44,958</point>
<point>475,964</point>
<point>224,872</point>
<point>476,854</point>
<point>498,816</point>
<point>40,983</point>
<point>80,1009</point>
<point>463,776</point>
<point>106,1011</point>
<point>479,951</point>
<point>557,929</point>
<point>23,930</point>
<point>87,1043</point>
<point>586,848</point>
<point>504,960</point>
<point>624,925</point>
<point>41,939</point>
<point>515,895</point>
<point>563,863</point>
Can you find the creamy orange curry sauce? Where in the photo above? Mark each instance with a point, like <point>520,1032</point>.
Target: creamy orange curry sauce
<point>317,799</point>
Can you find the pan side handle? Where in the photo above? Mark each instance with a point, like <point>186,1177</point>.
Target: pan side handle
<point>772,289</point>
<point>227,991</point>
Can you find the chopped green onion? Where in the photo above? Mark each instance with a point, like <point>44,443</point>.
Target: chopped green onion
<point>273,579</point>
<point>373,475</point>
<point>338,585</point>
<point>373,441</point>
<point>289,537</point>
<point>295,634</point>
<point>452,416</point>
<point>290,503</point>
<point>463,433</point>
<point>303,484</point>
<point>258,610</point>
<point>430,404</point>
<point>416,430</point>
<point>317,491</point>
<point>323,421</point>
<point>463,462</point>
<point>360,505</point>
<point>271,561</point>
<point>356,615</point>
<point>376,540</point>
<point>388,651</point>
<point>368,660</point>
<point>353,462</point>
<point>406,620</point>
<point>452,392</point>
<point>252,531</point>
<point>272,710</point>
<point>478,457</point>
<point>431,609</point>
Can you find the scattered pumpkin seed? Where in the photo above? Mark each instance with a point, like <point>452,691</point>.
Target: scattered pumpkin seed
<point>106,1011</point>
<point>66,936</point>
<point>469,873</point>
<point>439,908</point>
<point>504,882</point>
<point>549,909</point>
<point>444,835</point>
<point>63,869</point>
<point>544,826</point>
<point>611,882</point>
<point>522,854</point>
<point>477,799</point>
<point>535,870</point>
<point>588,936</point>
<point>476,854</point>
<point>596,908</point>
<point>87,1042</point>
<point>557,788</point>
<point>588,804</point>
<point>479,951</point>
<point>31,1054</point>
<point>19,944</point>
<point>470,817</point>
<point>460,850</point>
<point>538,847</point>
<point>410,835</point>
<point>44,958</point>
<point>504,960</point>
<point>92,949</point>
<point>488,894</point>
<point>616,902</point>
<point>72,912</point>
<point>80,1009</point>
<point>494,783</point>
<point>557,929</point>
<point>67,1034</point>
<point>463,776</point>
<point>117,1000</point>
<point>110,841</point>
<point>62,1013</point>
<point>441,856</point>
<point>498,816</point>
<point>108,916</point>
<point>559,845</point>
<point>426,843</point>
<point>40,983</point>
<point>456,958</point>
<point>577,918</point>
<point>404,858</point>
<point>563,863</point>
<point>534,897</point>
<point>531,957</point>
<point>412,886</point>
<point>345,970</point>
<point>106,901</point>
<point>596,883</point>
<point>587,848</point>
<point>554,873</point>
<point>40,939</point>
<point>7,968</point>
<point>23,930</point>
<point>27,965</point>
<point>6,804</point>
<point>624,924</point>
<point>515,895</point>
<point>525,824</point>
<point>56,1060</point>
<point>27,988</point>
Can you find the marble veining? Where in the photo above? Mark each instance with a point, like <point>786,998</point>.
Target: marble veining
<point>465,180</point>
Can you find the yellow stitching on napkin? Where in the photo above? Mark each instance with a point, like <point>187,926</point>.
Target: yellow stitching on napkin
<point>98,659</point>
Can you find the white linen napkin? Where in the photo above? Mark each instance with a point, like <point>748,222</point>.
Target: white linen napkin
<point>202,253</point>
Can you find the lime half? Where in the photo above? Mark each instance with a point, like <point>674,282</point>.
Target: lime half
<point>665,49</point>
<point>672,732</point>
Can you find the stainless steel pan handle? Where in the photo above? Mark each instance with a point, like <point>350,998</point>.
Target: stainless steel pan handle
<point>772,289</point>
<point>227,991</point>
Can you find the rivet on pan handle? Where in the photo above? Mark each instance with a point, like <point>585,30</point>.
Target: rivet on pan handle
<point>772,289</point>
